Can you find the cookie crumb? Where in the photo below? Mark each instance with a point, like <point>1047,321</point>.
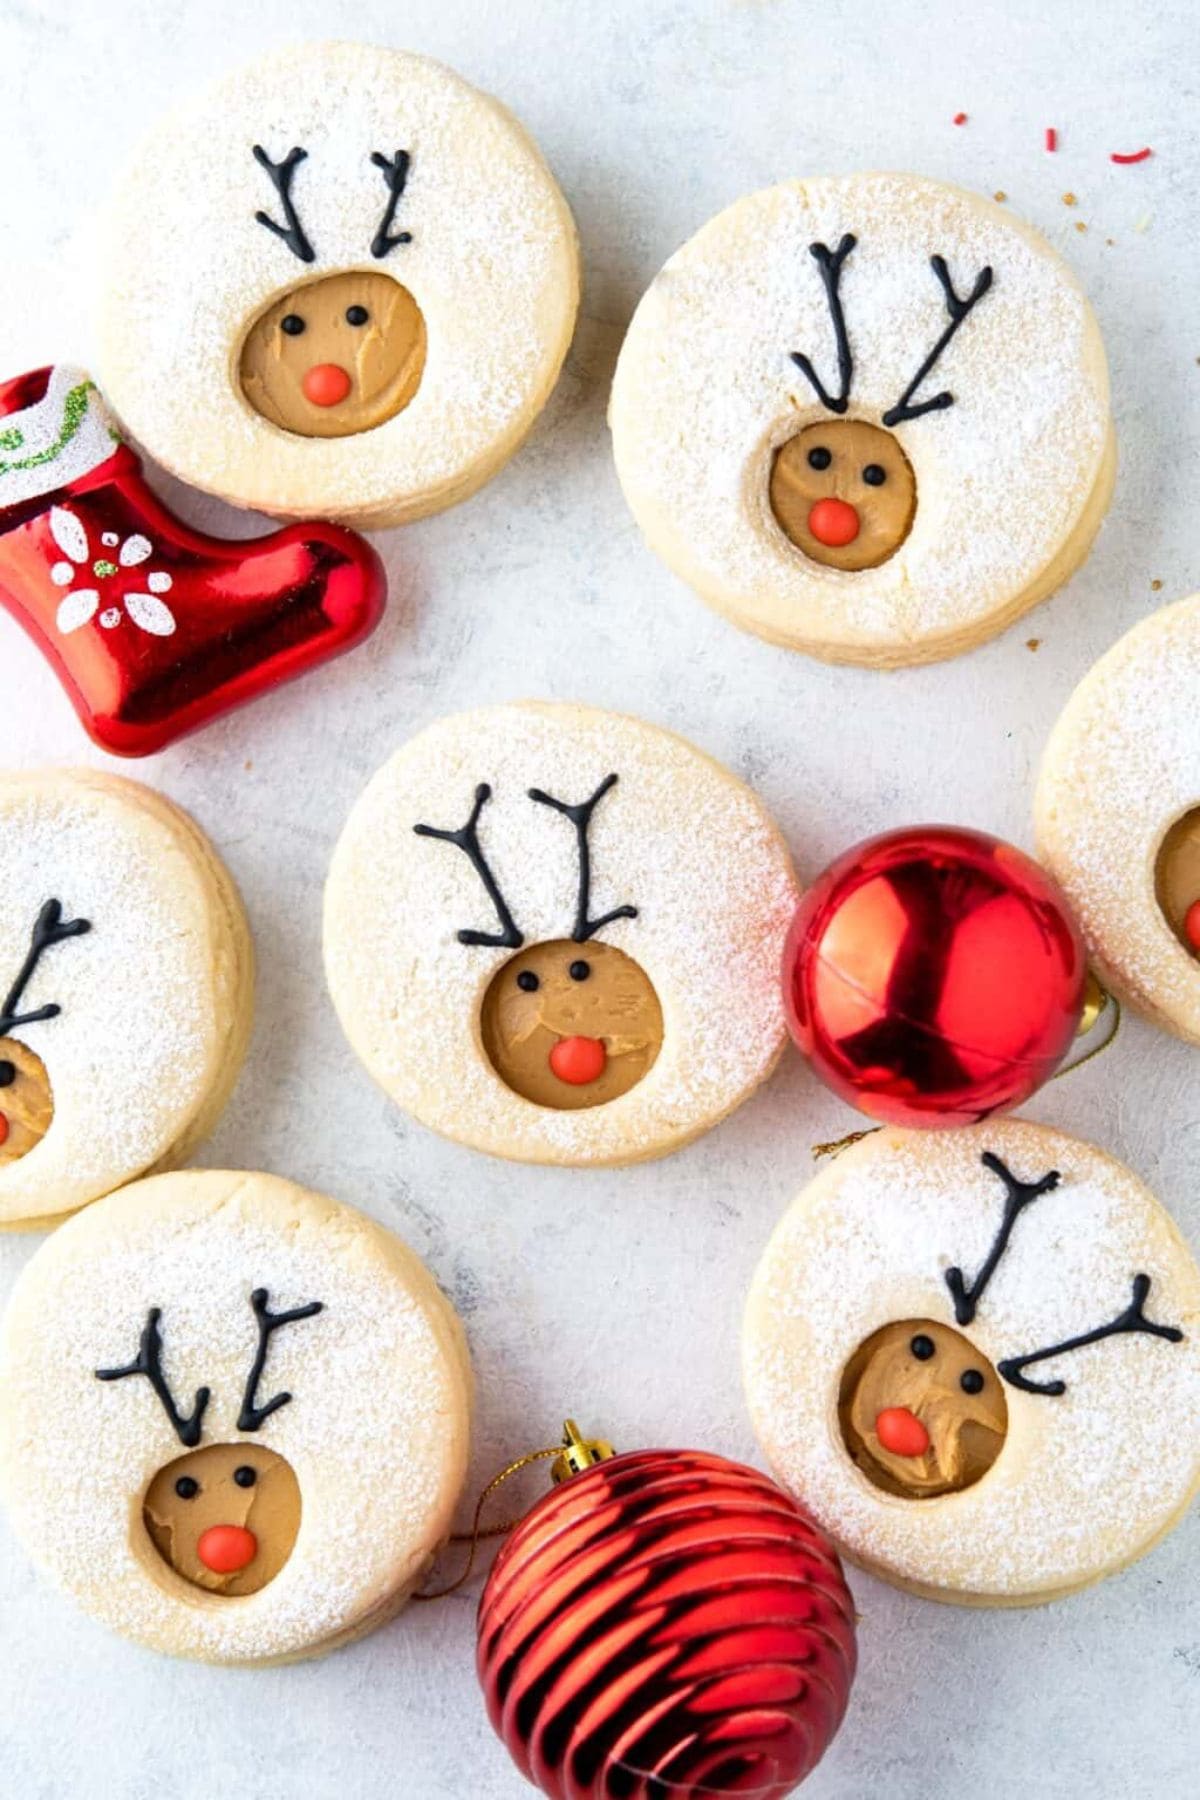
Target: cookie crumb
<point>1070,199</point>
<point>1000,195</point>
<point>1079,225</point>
<point>1156,586</point>
<point>1033,643</point>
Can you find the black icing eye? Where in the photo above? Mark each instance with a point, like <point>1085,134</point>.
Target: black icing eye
<point>187,1488</point>
<point>922,1347</point>
<point>292,323</point>
<point>245,1476</point>
<point>579,971</point>
<point>874,474</point>
<point>7,1074</point>
<point>357,315</point>
<point>971,1381</point>
<point>820,458</point>
<point>528,982</point>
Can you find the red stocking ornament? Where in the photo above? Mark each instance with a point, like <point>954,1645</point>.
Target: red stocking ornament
<point>153,629</point>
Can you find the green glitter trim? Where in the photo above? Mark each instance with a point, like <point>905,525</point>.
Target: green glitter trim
<point>74,412</point>
<point>12,439</point>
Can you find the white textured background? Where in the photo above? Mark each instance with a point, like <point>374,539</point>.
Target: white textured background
<point>618,1295</point>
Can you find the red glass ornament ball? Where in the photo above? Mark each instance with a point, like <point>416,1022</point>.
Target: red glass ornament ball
<point>934,976</point>
<point>666,1626</point>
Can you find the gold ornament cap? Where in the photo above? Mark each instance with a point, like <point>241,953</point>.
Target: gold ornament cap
<point>578,1453</point>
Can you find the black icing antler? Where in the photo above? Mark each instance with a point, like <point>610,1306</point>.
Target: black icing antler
<point>49,928</point>
<point>281,174</point>
<point>395,173</point>
<point>252,1415</point>
<point>1018,1195</point>
<point>148,1362</point>
<point>959,310</point>
<point>466,838</point>
<point>581,817</point>
<point>830,264</point>
<point>1133,1319</point>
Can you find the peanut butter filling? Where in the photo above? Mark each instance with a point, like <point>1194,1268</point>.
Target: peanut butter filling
<point>841,477</point>
<point>336,356</point>
<point>570,1025</point>
<point>1176,877</point>
<point>192,1502</point>
<point>26,1104</point>
<point>924,1381</point>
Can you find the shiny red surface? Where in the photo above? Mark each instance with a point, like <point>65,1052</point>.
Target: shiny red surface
<point>249,615</point>
<point>666,1626</point>
<point>934,976</point>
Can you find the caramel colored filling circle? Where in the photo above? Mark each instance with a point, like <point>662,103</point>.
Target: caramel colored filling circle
<point>966,1430</point>
<point>26,1103</point>
<point>363,324</point>
<point>268,1507</point>
<point>864,468</point>
<point>1176,876</point>
<point>535,1003</point>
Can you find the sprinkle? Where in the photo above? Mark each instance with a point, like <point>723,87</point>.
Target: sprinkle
<point>1136,156</point>
<point>1157,586</point>
<point>961,119</point>
<point>1143,224</point>
<point>1070,200</point>
<point>1080,226</point>
<point>1000,195</point>
<point>1051,138</point>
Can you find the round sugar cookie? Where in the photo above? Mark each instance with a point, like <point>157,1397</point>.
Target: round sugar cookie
<point>126,988</point>
<point>340,282</point>
<point>976,1357</point>
<point>1118,815</point>
<point>233,1416</point>
<point>866,417</point>
<point>554,934</point>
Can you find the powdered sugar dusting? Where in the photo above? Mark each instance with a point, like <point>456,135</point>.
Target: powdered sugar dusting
<point>1084,1481</point>
<point>149,996</point>
<point>376,1430</point>
<point>678,837</point>
<point>492,264</point>
<point>706,391</point>
<point>1122,766</point>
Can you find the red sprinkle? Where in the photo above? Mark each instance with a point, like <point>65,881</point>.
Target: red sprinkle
<point>1137,156</point>
<point>1051,138</point>
<point>960,118</point>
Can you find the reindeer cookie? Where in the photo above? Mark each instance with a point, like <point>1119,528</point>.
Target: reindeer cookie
<point>126,989</point>
<point>554,934</point>
<point>341,282</point>
<point>866,417</point>
<point>976,1356</point>
<point>1118,815</point>
<point>233,1416</point>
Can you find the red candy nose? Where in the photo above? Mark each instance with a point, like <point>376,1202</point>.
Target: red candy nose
<point>1191,927</point>
<point>833,522</point>
<point>578,1060</point>
<point>226,1548</point>
<point>325,384</point>
<point>901,1432</point>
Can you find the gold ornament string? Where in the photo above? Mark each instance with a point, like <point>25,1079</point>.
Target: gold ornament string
<point>572,1455</point>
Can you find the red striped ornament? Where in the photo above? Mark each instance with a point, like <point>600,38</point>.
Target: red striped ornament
<point>667,1625</point>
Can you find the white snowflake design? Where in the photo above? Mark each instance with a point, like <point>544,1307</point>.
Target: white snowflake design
<point>148,611</point>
